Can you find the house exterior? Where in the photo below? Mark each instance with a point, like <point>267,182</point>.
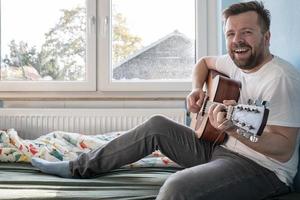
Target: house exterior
<point>172,57</point>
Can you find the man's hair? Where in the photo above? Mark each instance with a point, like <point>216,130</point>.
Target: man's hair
<point>264,17</point>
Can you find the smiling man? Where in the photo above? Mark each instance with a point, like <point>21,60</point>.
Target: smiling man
<point>264,77</point>
<point>238,169</point>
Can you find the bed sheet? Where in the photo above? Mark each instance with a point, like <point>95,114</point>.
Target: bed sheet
<point>22,181</point>
<point>60,145</point>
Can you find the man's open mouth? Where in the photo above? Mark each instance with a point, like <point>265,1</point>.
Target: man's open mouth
<point>241,50</point>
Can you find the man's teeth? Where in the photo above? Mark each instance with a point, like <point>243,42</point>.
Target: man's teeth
<point>240,50</point>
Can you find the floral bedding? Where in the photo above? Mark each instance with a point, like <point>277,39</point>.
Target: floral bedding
<point>59,145</point>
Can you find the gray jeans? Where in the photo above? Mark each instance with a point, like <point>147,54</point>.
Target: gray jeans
<point>211,172</point>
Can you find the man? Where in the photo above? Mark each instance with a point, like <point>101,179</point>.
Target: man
<point>238,169</point>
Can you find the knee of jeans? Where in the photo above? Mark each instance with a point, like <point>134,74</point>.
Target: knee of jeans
<point>157,121</point>
<point>173,188</point>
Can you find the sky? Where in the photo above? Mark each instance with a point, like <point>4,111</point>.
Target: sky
<point>154,19</point>
<point>28,20</point>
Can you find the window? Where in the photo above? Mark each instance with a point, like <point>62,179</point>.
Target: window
<point>152,45</point>
<point>47,45</point>
<point>101,45</point>
<point>151,42</point>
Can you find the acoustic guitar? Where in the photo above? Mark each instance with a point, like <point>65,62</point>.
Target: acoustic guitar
<point>250,119</point>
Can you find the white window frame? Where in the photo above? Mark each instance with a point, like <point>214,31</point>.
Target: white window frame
<point>88,85</point>
<point>98,58</point>
<point>105,83</point>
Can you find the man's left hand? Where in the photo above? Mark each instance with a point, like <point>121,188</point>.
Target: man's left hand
<point>217,115</point>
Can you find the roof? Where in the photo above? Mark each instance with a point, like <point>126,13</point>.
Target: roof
<point>171,57</point>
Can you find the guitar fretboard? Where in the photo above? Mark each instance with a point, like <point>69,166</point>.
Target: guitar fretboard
<point>208,104</point>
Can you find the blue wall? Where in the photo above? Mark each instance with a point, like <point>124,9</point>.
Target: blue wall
<point>285,30</point>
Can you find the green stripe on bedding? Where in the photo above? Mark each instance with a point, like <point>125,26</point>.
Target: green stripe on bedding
<point>22,181</point>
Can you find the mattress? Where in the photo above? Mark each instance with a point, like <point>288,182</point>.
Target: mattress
<point>22,181</point>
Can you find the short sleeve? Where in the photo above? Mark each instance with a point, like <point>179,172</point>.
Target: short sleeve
<point>225,65</point>
<point>283,95</point>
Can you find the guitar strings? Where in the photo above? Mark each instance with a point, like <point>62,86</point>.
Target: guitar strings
<point>227,125</point>
<point>216,139</point>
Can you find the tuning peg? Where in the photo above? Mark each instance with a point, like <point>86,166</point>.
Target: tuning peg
<point>248,109</point>
<point>255,110</point>
<point>265,103</point>
<point>250,127</point>
<point>250,102</point>
<point>253,138</point>
<point>239,107</point>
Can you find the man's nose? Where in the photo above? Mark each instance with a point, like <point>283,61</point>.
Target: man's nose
<point>238,37</point>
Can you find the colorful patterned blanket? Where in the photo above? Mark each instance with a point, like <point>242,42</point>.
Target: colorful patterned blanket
<point>59,145</point>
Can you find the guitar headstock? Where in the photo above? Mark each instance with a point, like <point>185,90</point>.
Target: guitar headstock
<point>249,119</point>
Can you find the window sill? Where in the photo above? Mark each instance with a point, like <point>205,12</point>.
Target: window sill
<point>123,95</point>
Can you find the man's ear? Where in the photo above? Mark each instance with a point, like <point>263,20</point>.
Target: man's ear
<point>267,37</point>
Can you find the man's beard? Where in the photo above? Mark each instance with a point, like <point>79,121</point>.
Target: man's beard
<point>255,59</point>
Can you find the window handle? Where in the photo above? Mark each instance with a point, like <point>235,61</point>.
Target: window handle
<point>92,24</point>
<point>104,26</point>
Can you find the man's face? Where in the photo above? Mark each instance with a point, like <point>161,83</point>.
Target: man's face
<point>246,44</point>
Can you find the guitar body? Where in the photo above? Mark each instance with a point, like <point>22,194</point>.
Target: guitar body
<point>219,88</point>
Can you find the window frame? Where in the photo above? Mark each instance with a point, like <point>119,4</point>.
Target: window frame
<point>88,85</point>
<point>106,83</point>
<point>98,82</point>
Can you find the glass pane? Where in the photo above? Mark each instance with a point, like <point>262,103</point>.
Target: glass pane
<point>153,39</point>
<point>43,40</point>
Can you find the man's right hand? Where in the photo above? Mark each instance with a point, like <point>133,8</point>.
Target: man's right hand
<point>195,99</point>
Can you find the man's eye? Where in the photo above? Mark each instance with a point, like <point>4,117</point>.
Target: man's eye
<point>229,35</point>
<point>247,32</point>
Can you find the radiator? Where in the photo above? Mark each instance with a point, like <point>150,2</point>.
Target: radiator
<point>31,123</point>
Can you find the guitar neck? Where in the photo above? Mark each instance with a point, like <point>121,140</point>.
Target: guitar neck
<point>250,119</point>
<point>207,104</point>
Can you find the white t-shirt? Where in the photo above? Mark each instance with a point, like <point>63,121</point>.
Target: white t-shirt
<point>277,82</point>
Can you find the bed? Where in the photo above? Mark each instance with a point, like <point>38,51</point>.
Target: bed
<point>19,180</point>
<point>22,181</point>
